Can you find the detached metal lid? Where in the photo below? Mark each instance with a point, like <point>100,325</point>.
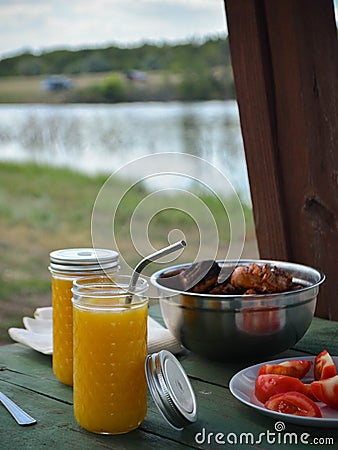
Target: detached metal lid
<point>171,389</point>
<point>83,259</point>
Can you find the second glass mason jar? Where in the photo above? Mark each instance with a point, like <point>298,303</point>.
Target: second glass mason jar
<point>65,266</point>
<point>110,349</point>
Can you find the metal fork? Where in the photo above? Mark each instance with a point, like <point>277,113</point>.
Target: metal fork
<point>19,414</point>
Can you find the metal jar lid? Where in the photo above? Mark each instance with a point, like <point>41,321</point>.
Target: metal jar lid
<point>83,259</point>
<point>171,390</point>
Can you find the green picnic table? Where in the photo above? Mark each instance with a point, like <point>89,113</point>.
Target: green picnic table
<point>223,421</point>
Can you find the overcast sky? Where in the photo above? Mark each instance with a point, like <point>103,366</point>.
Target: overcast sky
<point>44,24</point>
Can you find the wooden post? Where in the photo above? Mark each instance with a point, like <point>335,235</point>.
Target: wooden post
<point>285,62</point>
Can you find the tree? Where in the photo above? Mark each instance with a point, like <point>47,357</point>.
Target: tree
<point>113,89</point>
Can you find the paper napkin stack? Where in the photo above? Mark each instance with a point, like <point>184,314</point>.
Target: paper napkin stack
<point>37,334</point>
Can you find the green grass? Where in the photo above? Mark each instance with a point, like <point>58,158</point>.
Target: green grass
<point>21,89</point>
<point>92,87</point>
<point>44,208</point>
<point>24,89</point>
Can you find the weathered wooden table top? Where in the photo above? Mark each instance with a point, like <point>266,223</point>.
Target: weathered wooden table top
<point>26,376</point>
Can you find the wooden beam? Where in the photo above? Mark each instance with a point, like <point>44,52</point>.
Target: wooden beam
<point>285,63</point>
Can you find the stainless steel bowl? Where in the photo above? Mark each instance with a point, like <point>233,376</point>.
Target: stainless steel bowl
<point>241,327</point>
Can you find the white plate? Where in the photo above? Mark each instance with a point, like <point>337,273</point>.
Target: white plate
<point>242,387</point>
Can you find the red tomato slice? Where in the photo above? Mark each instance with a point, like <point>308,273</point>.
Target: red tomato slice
<point>324,366</point>
<point>309,393</point>
<point>293,403</point>
<point>270,384</point>
<point>294,368</point>
<point>326,391</point>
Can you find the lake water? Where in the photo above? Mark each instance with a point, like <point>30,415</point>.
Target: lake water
<point>104,138</point>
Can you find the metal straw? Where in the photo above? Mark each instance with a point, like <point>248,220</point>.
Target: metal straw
<point>147,260</point>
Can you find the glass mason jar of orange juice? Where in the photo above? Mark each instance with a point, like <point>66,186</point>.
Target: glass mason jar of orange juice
<point>110,348</point>
<point>65,266</point>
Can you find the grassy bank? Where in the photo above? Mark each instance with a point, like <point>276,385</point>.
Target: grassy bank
<point>115,86</point>
<point>44,208</point>
<point>21,89</point>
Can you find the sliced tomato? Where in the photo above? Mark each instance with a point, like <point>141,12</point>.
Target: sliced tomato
<point>270,384</point>
<point>309,393</point>
<point>326,391</point>
<point>293,403</point>
<point>324,366</point>
<point>293,368</point>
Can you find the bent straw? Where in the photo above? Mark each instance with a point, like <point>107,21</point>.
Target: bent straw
<point>147,260</point>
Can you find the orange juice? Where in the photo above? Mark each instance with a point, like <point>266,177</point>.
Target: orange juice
<point>63,326</point>
<point>67,265</point>
<point>110,348</point>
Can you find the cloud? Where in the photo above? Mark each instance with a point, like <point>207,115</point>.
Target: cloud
<point>42,24</point>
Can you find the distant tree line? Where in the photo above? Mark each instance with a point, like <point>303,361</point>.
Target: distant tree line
<point>146,57</point>
<point>189,71</point>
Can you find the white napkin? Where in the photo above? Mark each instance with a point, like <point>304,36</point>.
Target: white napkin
<point>37,334</point>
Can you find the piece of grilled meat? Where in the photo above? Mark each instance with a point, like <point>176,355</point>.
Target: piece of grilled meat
<point>261,279</point>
